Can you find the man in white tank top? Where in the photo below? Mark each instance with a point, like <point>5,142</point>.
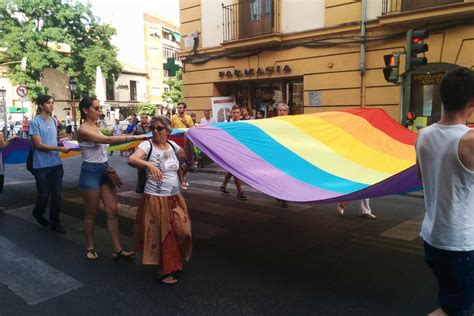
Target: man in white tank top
<point>445,159</point>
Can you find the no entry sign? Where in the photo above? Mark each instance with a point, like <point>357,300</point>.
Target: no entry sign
<point>22,91</point>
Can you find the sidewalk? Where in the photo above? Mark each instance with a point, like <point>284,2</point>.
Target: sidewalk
<point>216,169</point>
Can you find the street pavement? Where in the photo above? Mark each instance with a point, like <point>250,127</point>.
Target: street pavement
<point>249,257</point>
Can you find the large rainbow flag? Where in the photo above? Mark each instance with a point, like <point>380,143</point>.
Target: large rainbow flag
<point>319,158</point>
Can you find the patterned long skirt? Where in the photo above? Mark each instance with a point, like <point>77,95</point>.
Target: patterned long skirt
<point>163,231</point>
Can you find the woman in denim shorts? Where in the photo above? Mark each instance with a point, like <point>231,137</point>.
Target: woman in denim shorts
<point>94,182</point>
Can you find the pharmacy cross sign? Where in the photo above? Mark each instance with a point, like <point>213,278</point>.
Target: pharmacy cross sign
<point>22,91</point>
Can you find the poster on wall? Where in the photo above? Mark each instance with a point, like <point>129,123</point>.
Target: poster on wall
<point>222,107</point>
<point>314,98</point>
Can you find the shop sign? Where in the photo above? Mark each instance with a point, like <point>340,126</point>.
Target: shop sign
<point>428,79</point>
<point>249,72</point>
<point>122,86</point>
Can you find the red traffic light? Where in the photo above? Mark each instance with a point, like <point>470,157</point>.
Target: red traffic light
<point>389,60</point>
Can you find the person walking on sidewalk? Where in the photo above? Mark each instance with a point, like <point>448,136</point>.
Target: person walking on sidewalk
<point>445,160</point>
<point>96,178</point>
<point>47,165</point>
<point>240,194</point>
<point>162,225</point>
<point>364,208</point>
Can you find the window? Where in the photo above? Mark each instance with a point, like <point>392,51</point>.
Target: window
<point>154,52</point>
<point>155,72</point>
<point>156,91</point>
<point>133,90</point>
<point>154,32</point>
<point>169,53</point>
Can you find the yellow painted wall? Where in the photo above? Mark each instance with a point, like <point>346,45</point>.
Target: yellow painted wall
<point>341,11</point>
<point>333,71</point>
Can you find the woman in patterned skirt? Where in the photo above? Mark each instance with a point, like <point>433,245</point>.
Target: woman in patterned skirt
<point>162,227</point>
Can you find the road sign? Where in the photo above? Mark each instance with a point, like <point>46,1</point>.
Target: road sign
<point>22,91</point>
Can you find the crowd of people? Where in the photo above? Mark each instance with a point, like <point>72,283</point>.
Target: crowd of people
<point>162,230</point>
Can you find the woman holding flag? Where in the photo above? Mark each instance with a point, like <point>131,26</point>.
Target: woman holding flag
<point>97,180</point>
<point>162,226</point>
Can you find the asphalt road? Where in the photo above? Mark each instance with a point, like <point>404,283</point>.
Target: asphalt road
<point>251,257</point>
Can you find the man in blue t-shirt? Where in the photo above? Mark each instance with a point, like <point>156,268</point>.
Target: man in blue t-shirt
<point>47,165</point>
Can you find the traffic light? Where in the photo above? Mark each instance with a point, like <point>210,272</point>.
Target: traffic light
<point>414,47</point>
<point>390,72</point>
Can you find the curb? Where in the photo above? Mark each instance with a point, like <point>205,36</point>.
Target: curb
<point>203,170</point>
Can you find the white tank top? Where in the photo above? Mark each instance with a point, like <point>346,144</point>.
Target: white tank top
<point>93,152</point>
<point>449,189</point>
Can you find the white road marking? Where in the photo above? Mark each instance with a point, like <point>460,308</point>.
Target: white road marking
<point>30,278</point>
<point>408,230</point>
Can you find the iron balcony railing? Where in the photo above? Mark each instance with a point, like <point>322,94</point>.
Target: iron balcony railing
<point>249,18</point>
<point>397,6</point>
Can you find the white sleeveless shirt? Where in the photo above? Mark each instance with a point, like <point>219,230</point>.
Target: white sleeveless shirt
<point>93,152</point>
<point>449,189</point>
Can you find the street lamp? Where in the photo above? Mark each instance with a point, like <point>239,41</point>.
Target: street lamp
<point>73,88</point>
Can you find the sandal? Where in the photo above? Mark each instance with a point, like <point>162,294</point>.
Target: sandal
<point>167,279</point>
<point>222,189</point>
<point>122,254</point>
<point>241,196</point>
<point>94,254</point>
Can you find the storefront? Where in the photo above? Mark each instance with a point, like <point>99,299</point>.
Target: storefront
<point>265,95</point>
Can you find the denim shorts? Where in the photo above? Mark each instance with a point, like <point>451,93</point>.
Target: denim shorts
<point>454,271</point>
<point>92,175</point>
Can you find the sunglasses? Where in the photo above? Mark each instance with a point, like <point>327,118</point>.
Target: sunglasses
<point>97,108</point>
<point>157,128</point>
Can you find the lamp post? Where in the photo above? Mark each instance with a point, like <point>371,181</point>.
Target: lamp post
<point>73,88</point>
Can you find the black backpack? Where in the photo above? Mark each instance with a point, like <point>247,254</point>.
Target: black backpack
<point>142,172</point>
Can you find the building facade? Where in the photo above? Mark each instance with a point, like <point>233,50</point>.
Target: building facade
<point>320,55</point>
<point>161,46</point>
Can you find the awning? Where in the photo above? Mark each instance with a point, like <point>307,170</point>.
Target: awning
<point>177,36</point>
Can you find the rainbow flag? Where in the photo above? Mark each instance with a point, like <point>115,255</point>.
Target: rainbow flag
<point>318,158</point>
<point>17,151</point>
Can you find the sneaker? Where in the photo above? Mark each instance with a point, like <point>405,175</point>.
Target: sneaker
<point>58,229</point>
<point>41,220</point>
<point>368,216</point>
<point>340,208</point>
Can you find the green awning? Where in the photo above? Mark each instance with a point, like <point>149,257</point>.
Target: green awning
<point>177,36</point>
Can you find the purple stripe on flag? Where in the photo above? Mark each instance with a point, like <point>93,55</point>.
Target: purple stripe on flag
<point>252,169</point>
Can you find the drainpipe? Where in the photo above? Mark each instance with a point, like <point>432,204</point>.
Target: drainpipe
<point>363,15</point>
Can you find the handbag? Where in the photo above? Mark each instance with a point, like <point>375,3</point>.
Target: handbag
<point>113,176</point>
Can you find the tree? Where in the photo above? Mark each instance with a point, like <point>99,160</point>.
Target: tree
<point>55,34</point>
<point>175,92</point>
<point>147,108</point>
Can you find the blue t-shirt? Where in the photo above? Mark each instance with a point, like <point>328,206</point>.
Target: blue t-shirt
<point>46,129</point>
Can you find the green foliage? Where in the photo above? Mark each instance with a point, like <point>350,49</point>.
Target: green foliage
<point>147,108</point>
<point>106,132</point>
<point>175,92</point>
<point>35,28</point>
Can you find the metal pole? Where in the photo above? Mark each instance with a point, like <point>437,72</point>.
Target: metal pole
<point>74,114</point>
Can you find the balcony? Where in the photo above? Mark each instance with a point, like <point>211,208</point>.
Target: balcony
<point>250,21</point>
<point>399,6</point>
